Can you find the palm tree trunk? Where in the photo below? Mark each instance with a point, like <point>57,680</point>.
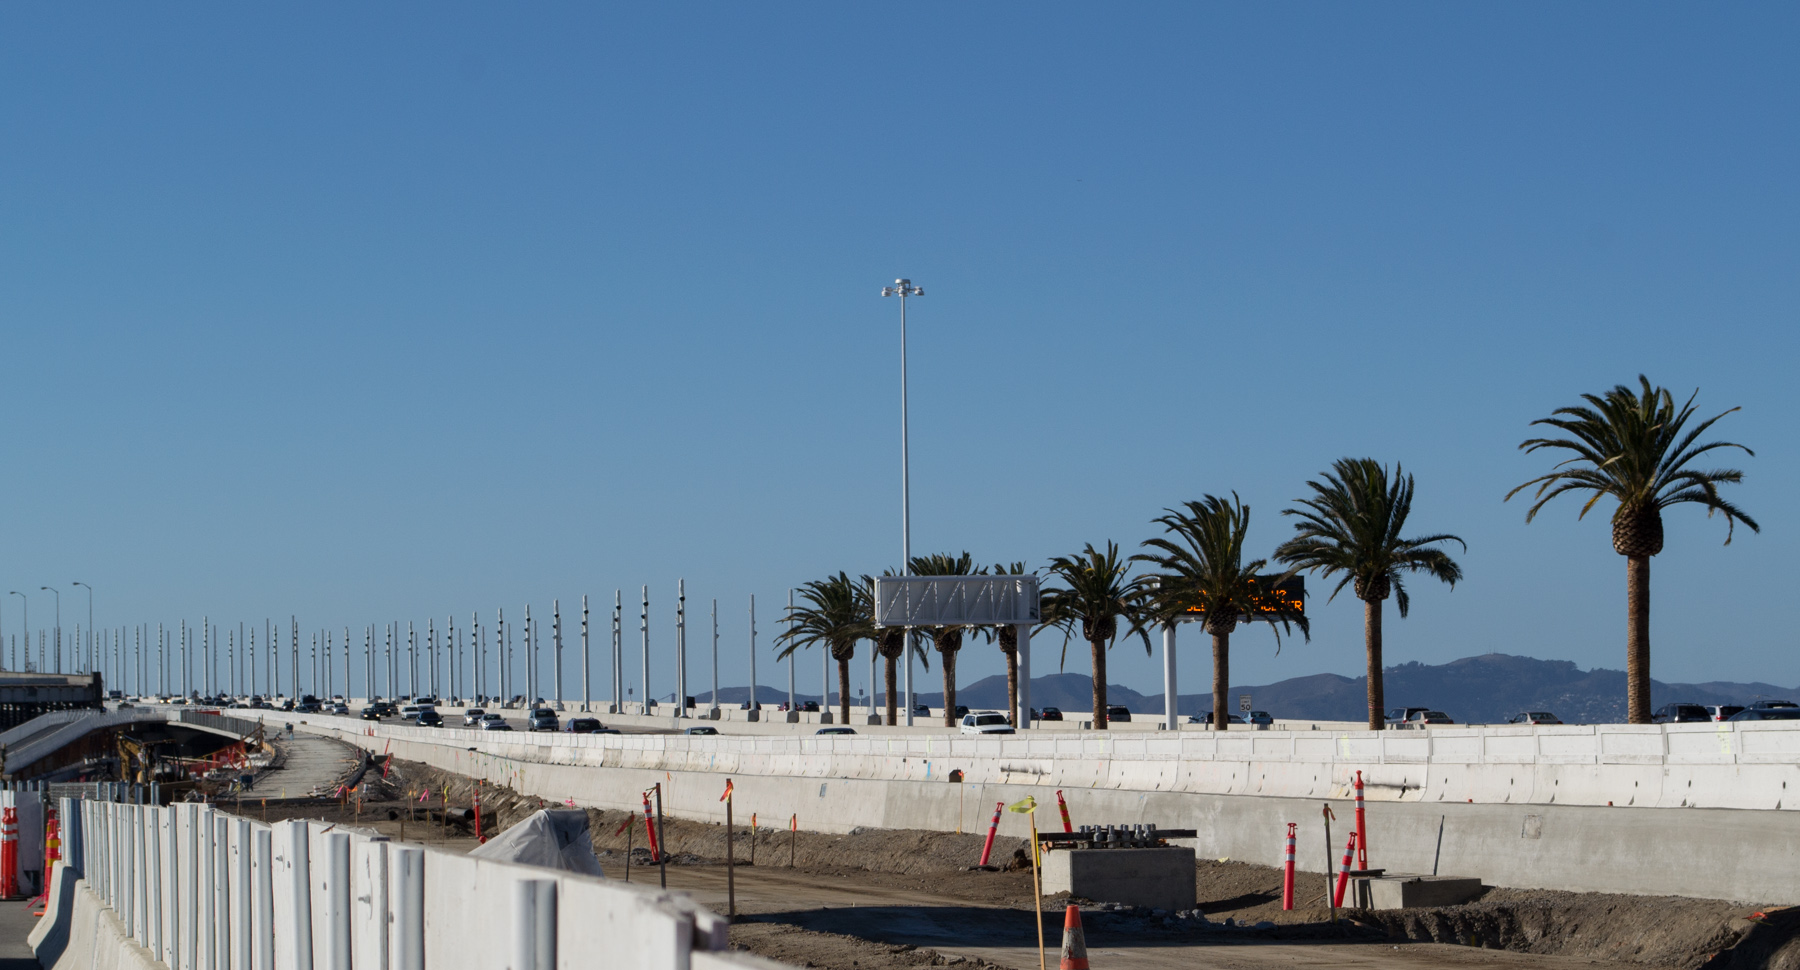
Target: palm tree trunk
<point>1098,647</point>
<point>1637,639</point>
<point>1372,640</point>
<point>949,687</point>
<point>890,689</point>
<point>844,689</point>
<point>1221,680</point>
<point>1012,686</point>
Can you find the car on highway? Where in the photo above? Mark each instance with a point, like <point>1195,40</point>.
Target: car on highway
<point>1397,717</point>
<point>1534,717</point>
<point>409,713</point>
<point>307,707</point>
<point>705,729</point>
<point>342,710</point>
<point>1723,712</point>
<point>1773,705</point>
<point>1768,714</point>
<point>429,717</point>
<point>583,725</point>
<point>370,713</point>
<point>495,725</point>
<point>1262,718</point>
<point>492,717</point>
<point>921,710</point>
<point>1680,714</point>
<point>810,707</point>
<point>1207,718</point>
<point>1118,713</point>
<point>986,723</point>
<point>1421,718</point>
<point>1051,714</point>
<point>834,730</point>
<point>473,716</point>
<point>542,719</point>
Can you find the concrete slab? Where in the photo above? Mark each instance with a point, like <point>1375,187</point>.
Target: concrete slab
<point>1399,890</point>
<point>1161,878</point>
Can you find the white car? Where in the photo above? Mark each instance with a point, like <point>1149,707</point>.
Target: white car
<point>986,723</point>
<point>493,718</point>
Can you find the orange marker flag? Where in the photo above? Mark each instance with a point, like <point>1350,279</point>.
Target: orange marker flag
<point>727,790</point>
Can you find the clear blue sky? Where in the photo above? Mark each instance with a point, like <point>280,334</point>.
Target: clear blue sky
<point>374,314</point>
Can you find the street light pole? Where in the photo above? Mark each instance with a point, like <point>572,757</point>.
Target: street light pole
<point>93,654</point>
<point>25,628</point>
<point>904,288</point>
<point>58,595</point>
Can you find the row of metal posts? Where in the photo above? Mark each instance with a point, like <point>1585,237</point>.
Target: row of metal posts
<point>197,887</point>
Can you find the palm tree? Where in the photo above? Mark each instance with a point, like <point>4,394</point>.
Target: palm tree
<point>1096,595</point>
<point>1631,446</point>
<point>1351,527</point>
<point>947,639</point>
<point>1204,572</point>
<point>1008,639</point>
<point>835,614</point>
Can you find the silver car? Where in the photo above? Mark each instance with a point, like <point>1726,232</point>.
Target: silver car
<point>542,719</point>
<point>472,717</point>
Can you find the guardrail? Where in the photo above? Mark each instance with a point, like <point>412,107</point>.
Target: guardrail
<point>198,887</point>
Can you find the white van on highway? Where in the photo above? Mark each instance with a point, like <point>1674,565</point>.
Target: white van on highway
<point>986,723</point>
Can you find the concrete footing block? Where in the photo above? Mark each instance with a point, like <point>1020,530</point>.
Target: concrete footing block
<point>1159,878</point>
<point>1405,891</point>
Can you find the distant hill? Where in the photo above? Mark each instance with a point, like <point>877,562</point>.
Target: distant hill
<point>1473,690</point>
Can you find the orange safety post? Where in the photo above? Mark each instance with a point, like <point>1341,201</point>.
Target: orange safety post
<point>1343,879</point>
<point>1287,870</point>
<point>1064,806</point>
<point>993,827</point>
<point>650,831</point>
<point>9,854</point>
<point>1362,833</point>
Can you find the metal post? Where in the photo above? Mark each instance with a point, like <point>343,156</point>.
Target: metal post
<point>1169,718</point>
<point>263,924</point>
<point>715,659</point>
<point>223,926</point>
<point>587,683</point>
<point>409,911</point>
<point>556,647</point>
<point>793,711</point>
<point>644,628</point>
<point>681,687</point>
<point>754,710</point>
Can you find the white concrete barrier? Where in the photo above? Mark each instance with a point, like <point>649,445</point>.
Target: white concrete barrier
<point>1522,807</point>
<point>234,894</point>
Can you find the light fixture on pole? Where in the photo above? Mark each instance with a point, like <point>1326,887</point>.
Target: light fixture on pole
<point>24,627</point>
<point>58,595</point>
<point>904,288</point>
<point>93,658</point>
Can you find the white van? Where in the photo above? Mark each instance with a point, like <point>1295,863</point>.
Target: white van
<point>986,723</point>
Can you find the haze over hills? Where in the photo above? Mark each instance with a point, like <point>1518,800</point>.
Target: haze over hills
<point>1484,689</point>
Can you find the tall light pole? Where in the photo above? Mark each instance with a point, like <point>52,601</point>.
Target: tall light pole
<point>58,595</point>
<point>93,659</point>
<point>24,627</point>
<point>904,288</point>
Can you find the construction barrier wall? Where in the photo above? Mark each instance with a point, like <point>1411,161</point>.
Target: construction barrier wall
<point>188,887</point>
<point>1524,807</point>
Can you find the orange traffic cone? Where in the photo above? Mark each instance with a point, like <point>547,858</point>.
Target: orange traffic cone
<point>1074,948</point>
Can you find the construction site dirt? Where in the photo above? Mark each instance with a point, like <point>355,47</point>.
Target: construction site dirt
<point>877,899</point>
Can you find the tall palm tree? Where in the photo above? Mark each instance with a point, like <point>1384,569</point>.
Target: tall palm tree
<point>1631,445</point>
<point>1204,572</point>
<point>947,639</point>
<point>1007,637</point>
<point>1096,595</point>
<point>834,613</point>
<point>1351,527</point>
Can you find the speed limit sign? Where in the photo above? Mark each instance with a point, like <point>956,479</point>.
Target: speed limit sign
<point>1244,703</point>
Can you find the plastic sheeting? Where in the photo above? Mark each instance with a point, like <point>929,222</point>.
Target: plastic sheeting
<point>552,838</point>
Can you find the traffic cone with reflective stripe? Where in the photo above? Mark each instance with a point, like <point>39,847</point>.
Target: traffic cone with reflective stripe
<point>1074,948</point>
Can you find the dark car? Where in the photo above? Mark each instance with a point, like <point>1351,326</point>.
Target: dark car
<point>1207,718</point>
<point>1118,713</point>
<point>1768,714</point>
<point>370,713</point>
<point>429,717</point>
<point>1051,714</point>
<point>311,707</point>
<point>1680,714</point>
<point>810,707</point>
<point>1773,705</point>
<point>582,725</point>
<point>961,710</point>
<point>703,729</point>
